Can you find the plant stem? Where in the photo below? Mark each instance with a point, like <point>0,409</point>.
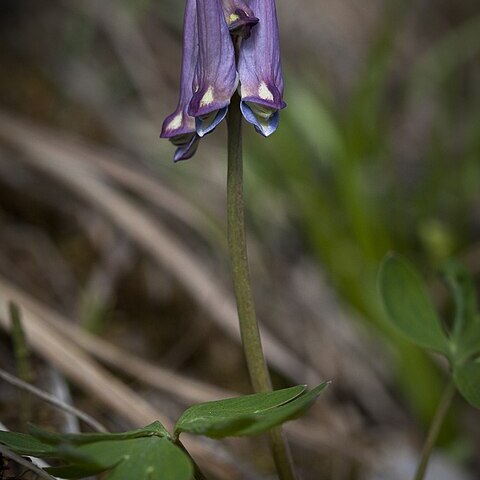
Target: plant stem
<point>197,473</point>
<point>435,427</point>
<point>22,356</point>
<point>237,244</point>
<point>38,472</point>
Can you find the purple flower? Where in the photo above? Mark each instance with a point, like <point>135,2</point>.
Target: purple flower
<point>212,68</point>
<point>216,76</point>
<point>179,127</point>
<point>261,80</point>
<point>239,16</point>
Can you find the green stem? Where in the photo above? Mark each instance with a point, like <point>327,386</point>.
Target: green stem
<point>22,357</point>
<point>197,473</point>
<point>435,427</point>
<point>252,344</point>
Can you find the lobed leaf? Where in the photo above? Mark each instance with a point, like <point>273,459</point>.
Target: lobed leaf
<point>408,306</point>
<point>74,471</point>
<point>466,323</point>
<point>462,287</point>
<point>248,415</point>
<point>266,420</point>
<point>24,444</point>
<point>217,418</point>
<point>467,380</point>
<point>54,438</point>
<point>144,454</point>
<point>469,342</point>
<point>145,458</point>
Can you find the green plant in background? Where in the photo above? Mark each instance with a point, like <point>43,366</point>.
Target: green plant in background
<point>153,452</point>
<point>341,177</point>
<point>409,308</point>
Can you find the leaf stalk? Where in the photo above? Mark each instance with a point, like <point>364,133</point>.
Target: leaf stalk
<point>435,427</point>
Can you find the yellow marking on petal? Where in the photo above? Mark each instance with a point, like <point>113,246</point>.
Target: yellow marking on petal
<point>233,18</point>
<point>207,99</point>
<point>264,92</point>
<point>176,122</point>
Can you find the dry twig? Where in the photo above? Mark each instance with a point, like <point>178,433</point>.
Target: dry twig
<point>318,438</point>
<point>24,462</point>
<point>63,160</point>
<point>88,419</point>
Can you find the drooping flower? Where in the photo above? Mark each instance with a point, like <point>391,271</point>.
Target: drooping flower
<point>261,79</point>
<point>226,41</point>
<point>179,127</point>
<point>216,76</point>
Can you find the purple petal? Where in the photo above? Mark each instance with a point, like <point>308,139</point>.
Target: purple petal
<point>215,76</point>
<point>186,146</point>
<point>239,16</point>
<point>261,80</point>
<point>264,119</point>
<point>180,123</point>
<point>179,127</point>
<point>208,123</point>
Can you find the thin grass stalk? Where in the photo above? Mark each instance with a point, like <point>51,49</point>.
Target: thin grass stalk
<point>435,427</point>
<point>22,357</point>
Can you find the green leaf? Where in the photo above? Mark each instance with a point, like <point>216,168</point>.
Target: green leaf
<point>144,454</point>
<point>74,471</point>
<point>268,419</point>
<point>23,444</point>
<point>469,343</point>
<point>462,287</point>
<point>467,379</point>
<point>248,415</point>
<point>466,324</point>
<point>217,418</point>
<point>53,438</point>
<point>408,306</point>
<point>147,458</point>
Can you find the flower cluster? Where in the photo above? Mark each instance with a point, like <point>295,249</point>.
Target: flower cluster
<point>227,45</point>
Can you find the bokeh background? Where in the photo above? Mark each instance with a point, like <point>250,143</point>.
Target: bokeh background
<point>118,257</point>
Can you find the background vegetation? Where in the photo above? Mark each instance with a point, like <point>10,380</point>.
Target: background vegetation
<point>378,150</point>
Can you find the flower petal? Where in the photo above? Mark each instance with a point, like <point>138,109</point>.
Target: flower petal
<point>179,127</point>
<point>215,76</point>
<point>261,80</point>
<point>239,16</point>
<point>186,146</point>
<point>179,122</point>
<point>265,119</point>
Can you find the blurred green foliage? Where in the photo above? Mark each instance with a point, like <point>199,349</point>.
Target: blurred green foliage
<point>333,166</point>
